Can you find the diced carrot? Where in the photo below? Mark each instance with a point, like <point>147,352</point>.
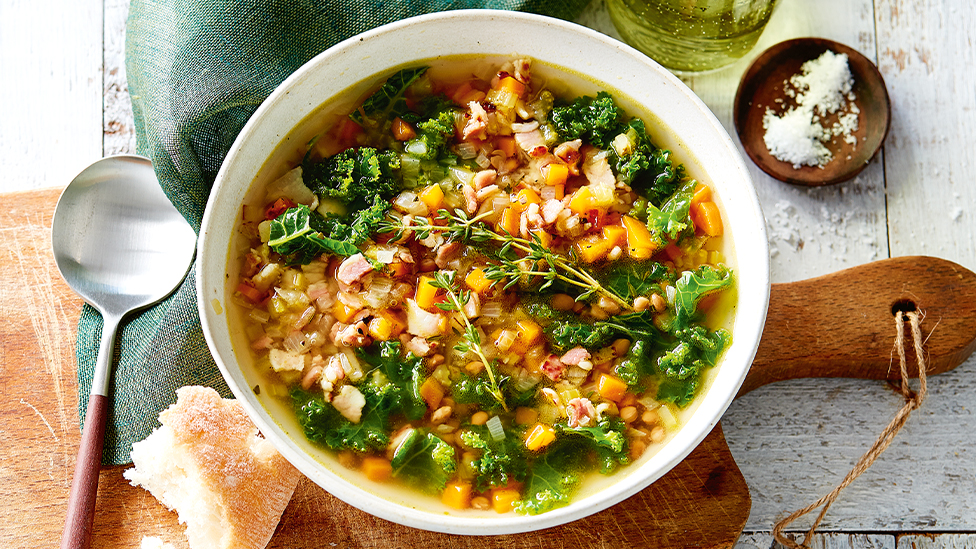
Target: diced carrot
<point>640,245</point>
<point>398,269</point>
<point>511,85</point>
<point>432,393</point>
<point>507,145</point>
<point>673,251</point>
<point>615,234</point>
<point>707,217</point>
<point>703,193</point>
<point>478,281</point>
<point>426,297</point>
<point>528,196</point>
<point>461,92</point>
<point>555,173</point>
<point>376,468</point>
<point>350,132</point>
<point>386,324</point>
<point>433,197</point>
<point>545,239</point>
<point>611,387</point>
<point>457,494</point>
<point>592,248</point>
<point>529,331</point>
<point>582,201</point>
<point>342,312</point>
<point>402,130</point>
<point>510,219</point>
<point>503,499</point>
<point>540,436</point>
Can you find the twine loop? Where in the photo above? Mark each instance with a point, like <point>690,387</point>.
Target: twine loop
<point>913,400</point>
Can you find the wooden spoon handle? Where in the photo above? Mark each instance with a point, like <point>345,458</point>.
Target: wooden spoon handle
<point>843,324</point>
<point>84,485</point>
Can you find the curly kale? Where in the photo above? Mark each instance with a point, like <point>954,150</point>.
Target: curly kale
<point>300,235</point>
<point>478,390</point>
<point>425,461</point>
<point>595,120</point>
<point>500,462</point>
<point>563,335</point>
<point>354,176</point>
<point>323,423</point>
<point>435,128</point>
<point>398,379</point>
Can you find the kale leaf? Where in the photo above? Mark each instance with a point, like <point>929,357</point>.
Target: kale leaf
<point>553,476</point>
<point>564,335</point>
<point>354,176</point>
<point>323,424</point>
<point>433,134</point>
<point>629,279</point>
<point>650,171</point>
<point>398,379</point>
<point>424,460</point>
<point>388,101</point>
<point>500,462</point>
<point>478,390</point>
<point>596,120</point>
<point>293,236</point>
<point>673,217</point>
<point>693,286</point>
<point>605,439</point>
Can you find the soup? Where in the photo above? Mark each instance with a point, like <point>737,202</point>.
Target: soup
<point>477,285</point>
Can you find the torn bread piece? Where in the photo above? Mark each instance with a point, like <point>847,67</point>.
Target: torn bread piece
<point>209,463</point>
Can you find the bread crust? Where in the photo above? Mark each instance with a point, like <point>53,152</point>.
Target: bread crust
<point>215,444</point>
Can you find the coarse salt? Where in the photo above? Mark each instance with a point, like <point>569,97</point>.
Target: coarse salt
<point>823,87</point>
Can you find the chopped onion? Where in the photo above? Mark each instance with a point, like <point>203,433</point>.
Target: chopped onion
<point>492,309</point>
<point>499,202</point>
<point>548,192</point>
<point>495,428</point>
<point>409,202</point>
<point>482,160</point>
<point>467,150</point>
<point>260,315</point>
<point>295,342</point>
<point>462,175</point>
<point>378,292</point>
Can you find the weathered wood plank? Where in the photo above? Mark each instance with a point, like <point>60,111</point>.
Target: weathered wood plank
<point>51,97</point>
<point>926,54</point>
<point>937,541</point>
<point>764,540</point>
<point>119,132</point>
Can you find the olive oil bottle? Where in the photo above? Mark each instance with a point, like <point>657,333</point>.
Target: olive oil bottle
<point>691,35</point>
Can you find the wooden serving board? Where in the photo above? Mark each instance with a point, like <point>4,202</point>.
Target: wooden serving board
<point>840,325</point>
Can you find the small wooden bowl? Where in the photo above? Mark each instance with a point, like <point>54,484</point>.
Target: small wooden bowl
<point>763,84</point>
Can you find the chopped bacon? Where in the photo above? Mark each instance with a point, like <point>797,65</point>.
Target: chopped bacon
<point>580,412</point>
<point>553,367</point>
<point>574,356</point>
<point>484,178</point>
<point>532,142</point>
<point>447,252</point>
<point>252,264</point>
<point>477,123</point>
<point>277,208</point>
<point>551,209</point>
<point>353,269</point>
<point>419,346</point>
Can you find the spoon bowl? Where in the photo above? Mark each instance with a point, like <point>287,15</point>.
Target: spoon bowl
<point>121,245</point>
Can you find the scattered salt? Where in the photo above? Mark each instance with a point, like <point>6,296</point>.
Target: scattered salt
<point>823,87</point>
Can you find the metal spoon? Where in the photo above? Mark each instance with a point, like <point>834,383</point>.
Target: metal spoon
<point>121,245</point>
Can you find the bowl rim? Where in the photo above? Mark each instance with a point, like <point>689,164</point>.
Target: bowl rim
<point>211,286</point>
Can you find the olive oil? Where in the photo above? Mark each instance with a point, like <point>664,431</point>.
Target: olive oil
<point>691,35</point>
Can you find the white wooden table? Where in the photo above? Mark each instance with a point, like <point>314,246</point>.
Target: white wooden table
<point>64,104</point>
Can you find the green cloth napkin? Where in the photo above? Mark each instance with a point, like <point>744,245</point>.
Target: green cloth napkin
<point>197,69</point>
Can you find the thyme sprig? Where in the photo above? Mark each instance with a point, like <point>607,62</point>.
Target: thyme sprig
<point>516,258</point>
<point>470,337</point>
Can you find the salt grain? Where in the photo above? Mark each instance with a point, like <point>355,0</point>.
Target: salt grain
<point>823,87</point>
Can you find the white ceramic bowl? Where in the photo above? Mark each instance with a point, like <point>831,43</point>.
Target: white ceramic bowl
<point>679,121</point>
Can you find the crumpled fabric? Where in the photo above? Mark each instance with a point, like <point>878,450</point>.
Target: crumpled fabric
<point>197,70</point>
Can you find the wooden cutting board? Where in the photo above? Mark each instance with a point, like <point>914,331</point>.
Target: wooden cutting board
<point>840,325</point>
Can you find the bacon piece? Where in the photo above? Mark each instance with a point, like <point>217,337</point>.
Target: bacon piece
<point>532,142</point>
<point>574,356</point>
<point>580,412</point>
<point>553,368</point>
<point>353,269</point>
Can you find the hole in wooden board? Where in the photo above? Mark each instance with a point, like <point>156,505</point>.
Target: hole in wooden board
<point>903,305</point>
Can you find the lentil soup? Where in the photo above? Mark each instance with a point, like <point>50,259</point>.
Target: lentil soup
<point>479,283</point>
